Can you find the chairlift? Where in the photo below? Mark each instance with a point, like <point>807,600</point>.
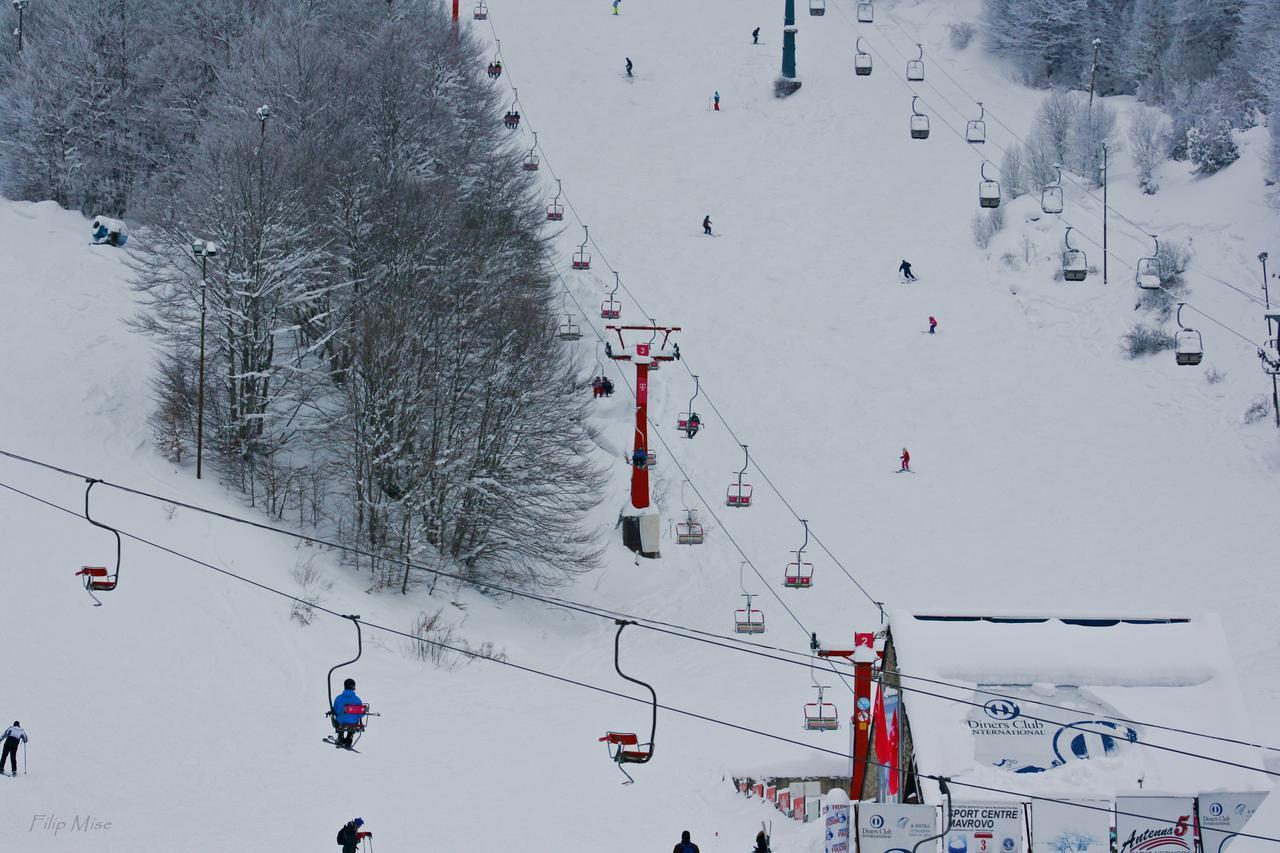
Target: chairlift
<point>531,159</point>
<point>361,712</point>
<point>915,67</point>
<point>799,574</point>
<point>861,59</point>
<point>644,456</point>
<point>747,620</point>
<point>1188,344</point>
<point>1075,264</point>
<point>988,190</point>
<point>919,121</point>
<point>1270,355</point>
<point>866,13</point>
<point>555,210</point>
<point>626,747</point>
<point>1150,270</point>
<point>495,67</point>
<point>689,531</point>
<point>481,12</point>
<point>581,258</point>
<point>739,493</point>
<point>512,118</point>
<point>820,716</point>
<point>654,364</point>
<point>569,330</point>
<point>1051,194</point>
<point>689,422</point>
<point>98,578</point>
<point>975,132</point>
<point>817,7</point>
<point>611,309</point>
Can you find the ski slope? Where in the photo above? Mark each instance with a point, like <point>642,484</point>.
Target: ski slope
<point>1050,472</point>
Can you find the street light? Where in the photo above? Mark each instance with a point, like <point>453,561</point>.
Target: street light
<point>203,250</point>
<point>20,6</point>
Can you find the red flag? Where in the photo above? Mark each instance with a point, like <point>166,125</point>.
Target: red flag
<point>893,749</point>
<point>882,728</point>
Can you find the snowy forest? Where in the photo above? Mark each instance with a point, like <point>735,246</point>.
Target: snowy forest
<point>380,352</point>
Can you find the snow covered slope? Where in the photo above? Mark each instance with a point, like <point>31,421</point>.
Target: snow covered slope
<point>1050,471</point>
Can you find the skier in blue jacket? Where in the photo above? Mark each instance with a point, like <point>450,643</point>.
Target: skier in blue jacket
<point>345,723</point>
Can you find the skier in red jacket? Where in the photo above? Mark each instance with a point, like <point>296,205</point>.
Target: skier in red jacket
<point>906,461</point>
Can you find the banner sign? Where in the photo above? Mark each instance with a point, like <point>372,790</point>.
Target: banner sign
<point>894,828</point>
<point>1070,826</point>
<point>1165,825</point>
<point>1005,735</point>
<point>985,828</point>
<point>1223,815</point>
<point>835,819</point>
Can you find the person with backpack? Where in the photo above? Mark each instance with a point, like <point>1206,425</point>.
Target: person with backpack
<point>692,424</point>
<point>706,225</point>
<point>13,736</point>
<point>639,458</point>
<point>685,845</point>
<point>906,461</point>
<point>346,723</point>
<point>904,269</point>
<point>755,36</point>
<point>629,66</point>
<point>350,836</point>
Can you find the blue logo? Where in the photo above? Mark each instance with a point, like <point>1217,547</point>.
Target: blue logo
<point>1101,739</point>
<point>1002,709</point>
<point>903,821</point>
<point>877,821</point>
<point>864,704</point>
<point>1216,809</point>
<point>1007,845</point>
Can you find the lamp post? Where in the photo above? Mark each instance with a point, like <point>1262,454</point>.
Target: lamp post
<point>1093,73</point>
<point>203,250</point>
<point>20,6</point>
<point>1271,335</point>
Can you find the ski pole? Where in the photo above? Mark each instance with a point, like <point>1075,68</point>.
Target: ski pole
<point>24,758</point>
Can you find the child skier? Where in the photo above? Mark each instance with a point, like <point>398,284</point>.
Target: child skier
<point>933,324</point>
<point>706,225</point>
<point>904,269</point>
<point>906,461</point>
<point>13,736</point>
<point>350,835</point>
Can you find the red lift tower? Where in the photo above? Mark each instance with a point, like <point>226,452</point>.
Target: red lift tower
<point>641,526</point>
<point>864,656</point>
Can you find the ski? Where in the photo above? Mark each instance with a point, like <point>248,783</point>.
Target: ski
<point>329,740</point>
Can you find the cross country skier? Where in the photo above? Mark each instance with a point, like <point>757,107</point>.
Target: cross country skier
<point>933,324</point>
<point>628,66</point>
<point>755,36</point>
<point>685,845</point>
<point>906,461</point>
<point>904,269</point>
<point>706,225</point>
<point>346,723</point>
<point>350,835</point>
<point>13,736</point>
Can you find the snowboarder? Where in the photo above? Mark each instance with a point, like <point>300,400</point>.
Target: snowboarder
<point>755,36</point>
<point>13,736</point>
<point>685,845</point>
<point>716,98</point>
<point>762,843</point>
<point>906,461</point>
<point>629,66</point>
<point>342,721</point>
<point>691,425</point>
<point>615,6</point>
<point>904,269</point>
<point>706,225</point>
<point>933,324</point>
<point>350,835</point>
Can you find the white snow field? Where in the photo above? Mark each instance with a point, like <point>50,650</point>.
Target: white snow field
<point>1051,472</point>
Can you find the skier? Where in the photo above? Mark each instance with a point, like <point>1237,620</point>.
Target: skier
<point>345,723</point>
<point>606,386</point>
<point>933,324</point>
<point>350,835</point>
<point>762,843</point>
<point>13,736</point>
<point>597,387</point>
<point>904,269</point>
<point>691,425</point>
<point>615,6</point>
<point>706,225</point>
<point>685,845</point>
<point>629,66</point>
<point>755,36</point>
<point>716,98</point>
<point>906,461</point>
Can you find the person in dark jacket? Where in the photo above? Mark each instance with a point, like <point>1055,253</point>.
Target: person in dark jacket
<point>344,722</point>
<point>755,36</point>
<point>762,843</point>
<point>13,736</point>
<point>629,66</point>
<point>706,224</point>
<point>606,386</point>
<point>685,845</point>
<point>904,269</point>
<point>350,835</point>
<point>691,425</point>
<point>639,458</point>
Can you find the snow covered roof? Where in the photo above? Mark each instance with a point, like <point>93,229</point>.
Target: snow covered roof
<point>1069,704</point>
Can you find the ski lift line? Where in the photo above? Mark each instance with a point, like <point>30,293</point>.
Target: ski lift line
<point>718,642</point>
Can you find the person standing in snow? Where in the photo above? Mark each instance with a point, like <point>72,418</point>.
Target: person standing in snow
<point>762,843</point>
<point>350,835</point>
<point>628,66</point>
<point>615,6</point>
<point>685,845</point>
<point>755,36</point>
<point>906,461</point>
<point>706,225</point>
<point>13,736</point>
<point>933,324</point>
<point>904,269</point>
<point>344,722</point>
<point>716,98</point>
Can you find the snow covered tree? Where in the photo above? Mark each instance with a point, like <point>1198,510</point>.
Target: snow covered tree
<point>1148,130</point>
<point>1210,145</point>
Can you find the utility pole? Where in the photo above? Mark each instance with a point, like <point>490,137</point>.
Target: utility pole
<point>787,83</point>
<point>1093,73</point>
<point>1104,214</point>
<point>203,250</point>
<point>21,6</point>
<point>1271,334</point>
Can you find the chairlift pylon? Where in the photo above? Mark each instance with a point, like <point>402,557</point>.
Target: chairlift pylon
<point>861,59</point>
<point>1188,344</point>
<point>1051,194</point>
<point>739,493</point>
<point>988,189</point>
<point>1150,271</point>
<point>919,121</point>
<point>689,422</point>
<point>975,132</point>
<point>97,578</point>
<point>799,574</point>
<point>915,67</point>
<point>360,712</point>
<point>1075,264</point>
<point>626,747</point>
<point>866,13</point>
<point>531,161</point>
<point>582,258</point>
<point>747,620</point>
<point>689,531</point>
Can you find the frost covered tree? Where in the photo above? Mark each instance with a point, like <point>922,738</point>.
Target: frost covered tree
<point>1148,130</point>
<point>1210,145</point>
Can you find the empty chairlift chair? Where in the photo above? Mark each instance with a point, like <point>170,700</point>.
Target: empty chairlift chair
<point>739,493</point>
<point>988,190</point>
<point>975,132</point>
<point>626,747</point>
<point>1051,194</point>
<point>919,121</point>
<point>820,716</point>
<point>1150,270</point>
<point>690,531</point>
<point>582,258</point>
<point>531,162</point>
<point>569,330</point>
<point>817,7</point>
<point>1075,264</point>
<point>866,13</point>
<point>555,210</point>
<point>747,620</point>
<point>1188,345</point>
<point>861,61</point>
<point>915,67</point>
<point>98,578</point>
<point>611,309</point>
<point>799,573</point>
